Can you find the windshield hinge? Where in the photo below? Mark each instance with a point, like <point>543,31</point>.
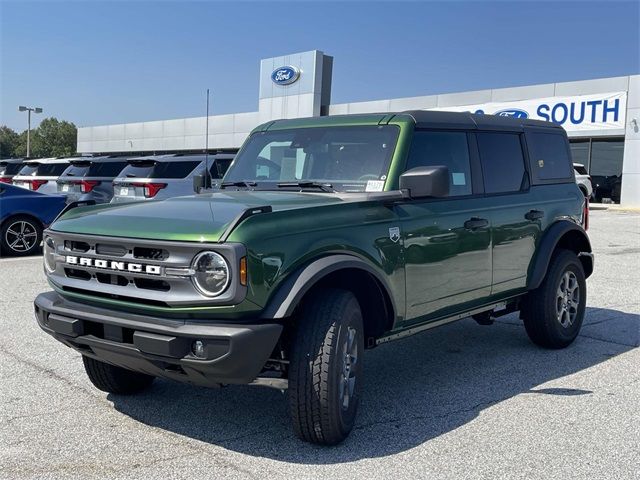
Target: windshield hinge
<point>386,119</point>
<point>249,212</point>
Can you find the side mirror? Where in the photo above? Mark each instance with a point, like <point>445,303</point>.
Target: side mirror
<point>423,182</point>
<point>198,183</point>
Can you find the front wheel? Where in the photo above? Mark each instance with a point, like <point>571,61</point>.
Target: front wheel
<point>325,375</point>
<point>553,313</point>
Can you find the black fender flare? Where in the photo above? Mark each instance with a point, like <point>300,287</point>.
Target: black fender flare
<point>289,294</point>
<point>549,242</point>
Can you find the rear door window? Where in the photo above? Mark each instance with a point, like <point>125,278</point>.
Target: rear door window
<point>502,162</point>
<point>550,158</point>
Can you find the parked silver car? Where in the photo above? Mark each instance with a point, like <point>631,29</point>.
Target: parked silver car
<point>165,176</point>
<point>41,174</point>
<point>583,179</point>
<point>90,178</point>
<point>9,168</point>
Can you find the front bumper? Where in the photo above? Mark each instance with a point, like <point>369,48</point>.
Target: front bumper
<point>234,353</point>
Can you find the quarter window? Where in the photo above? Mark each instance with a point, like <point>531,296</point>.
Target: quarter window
<point>549,156</point>
<point>450,149</point>
<point>502,162</point>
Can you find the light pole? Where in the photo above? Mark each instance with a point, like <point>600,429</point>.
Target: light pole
<point>34,110</point>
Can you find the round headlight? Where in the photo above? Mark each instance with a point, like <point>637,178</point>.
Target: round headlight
<point>49,254</point>
<point>211,273</point>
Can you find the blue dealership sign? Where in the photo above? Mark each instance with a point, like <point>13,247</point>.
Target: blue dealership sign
<point>285,75</point>
<point>576,113</point>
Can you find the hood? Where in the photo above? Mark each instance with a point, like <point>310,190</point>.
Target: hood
<point>197,218</point>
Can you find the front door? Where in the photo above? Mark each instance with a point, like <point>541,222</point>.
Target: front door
<point>447,241</point>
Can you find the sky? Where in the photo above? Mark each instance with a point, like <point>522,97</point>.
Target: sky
<point>96,63</point>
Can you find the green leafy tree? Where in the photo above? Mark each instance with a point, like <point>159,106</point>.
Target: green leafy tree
<point>52,138</point>
<point>9,140</point>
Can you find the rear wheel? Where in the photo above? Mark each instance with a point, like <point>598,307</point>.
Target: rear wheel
<point>112,379</point>
<point>20,235</point>
<point>326,367</point>
<point>553,313</point>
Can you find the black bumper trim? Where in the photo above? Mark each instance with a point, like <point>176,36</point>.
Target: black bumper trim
<point>234,353</point>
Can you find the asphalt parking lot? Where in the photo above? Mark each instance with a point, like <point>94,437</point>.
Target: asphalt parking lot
<point>461,401</point>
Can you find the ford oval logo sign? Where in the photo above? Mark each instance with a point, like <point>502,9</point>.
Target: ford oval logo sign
<point>512,112</point>
<point>285,75</point>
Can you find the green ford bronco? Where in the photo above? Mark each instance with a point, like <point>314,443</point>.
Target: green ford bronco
<point>327,237</point>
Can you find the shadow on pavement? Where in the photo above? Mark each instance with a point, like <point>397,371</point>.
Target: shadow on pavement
<point>416,389</point>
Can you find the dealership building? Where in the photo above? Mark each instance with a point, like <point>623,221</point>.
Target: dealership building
<point>601,117</point>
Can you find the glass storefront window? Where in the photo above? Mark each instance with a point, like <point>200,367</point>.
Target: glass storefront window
<point>603,159</point>
<point>580,152</point>
<point>606,169</point>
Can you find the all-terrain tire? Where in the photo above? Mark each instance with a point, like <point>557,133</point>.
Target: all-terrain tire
<point>325,375</point>
<point>112,379</point>
<point>553,313</point>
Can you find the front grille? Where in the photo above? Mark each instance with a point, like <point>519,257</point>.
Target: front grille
<point>76,247</point>
<point>110,250</point>
<point>145,253</point>
<point>148,272</point>
<point>77,274</point>
<point>112,279</point>
<point>150,284</point>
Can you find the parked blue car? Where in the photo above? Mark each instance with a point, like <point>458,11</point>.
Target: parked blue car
<point>24,214</point>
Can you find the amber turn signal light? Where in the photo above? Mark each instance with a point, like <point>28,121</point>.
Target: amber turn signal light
<point>243,271</point>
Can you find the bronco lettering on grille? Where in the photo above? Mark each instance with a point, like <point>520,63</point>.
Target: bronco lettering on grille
<point>118,266</point>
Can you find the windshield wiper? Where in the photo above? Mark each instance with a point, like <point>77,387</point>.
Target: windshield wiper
<point>240,183</point>
<point>325,187</point>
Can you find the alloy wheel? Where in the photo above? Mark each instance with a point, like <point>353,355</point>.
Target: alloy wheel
<point>21,236</point>
<point>348,374</point>
<point>567,299</point>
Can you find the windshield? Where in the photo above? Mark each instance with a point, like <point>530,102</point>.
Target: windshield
<point>349,159</point>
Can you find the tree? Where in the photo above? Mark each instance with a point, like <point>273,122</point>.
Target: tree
<point>9,140</point>
<point>54,138</point>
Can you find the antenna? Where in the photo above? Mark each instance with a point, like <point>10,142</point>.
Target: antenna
<point>207,177</point>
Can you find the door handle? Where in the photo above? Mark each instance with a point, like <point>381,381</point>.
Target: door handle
<point>475,223</point>
<point>533,215</point>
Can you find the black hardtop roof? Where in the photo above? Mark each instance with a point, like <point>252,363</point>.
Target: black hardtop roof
<point>467,120</point>
<point>422,119</point>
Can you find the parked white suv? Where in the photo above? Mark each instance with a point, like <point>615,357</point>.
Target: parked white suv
<point>41,174</point>
<point>583,179</point>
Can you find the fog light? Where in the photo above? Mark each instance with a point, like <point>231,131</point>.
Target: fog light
<point>198,349</point>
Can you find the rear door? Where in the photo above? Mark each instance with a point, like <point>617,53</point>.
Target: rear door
<point>447,241</point>
<point>515,217</point>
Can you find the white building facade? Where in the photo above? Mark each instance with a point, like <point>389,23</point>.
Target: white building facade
<point>601,117</point>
